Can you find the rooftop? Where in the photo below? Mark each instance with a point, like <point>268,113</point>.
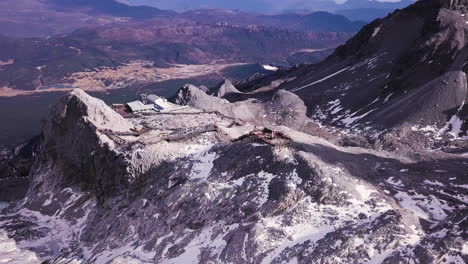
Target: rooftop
<point>137,106</point>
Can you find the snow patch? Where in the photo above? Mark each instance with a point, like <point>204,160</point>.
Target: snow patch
<point>321,80</point>
<point>270,68</point>
<point>11,253</point>
<point>202,169</point>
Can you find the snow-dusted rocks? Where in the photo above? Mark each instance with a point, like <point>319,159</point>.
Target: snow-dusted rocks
<point>184,192</point>
<point>77,151</point>
<point>225,89</point>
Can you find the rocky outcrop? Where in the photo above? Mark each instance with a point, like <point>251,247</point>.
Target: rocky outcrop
<point>191,95</point>
<point>76,151</point>
<point>282,109</point>
<point>15,168</point>
<point>374,85</point>
<point>208,199</point>
<point>225,90</point>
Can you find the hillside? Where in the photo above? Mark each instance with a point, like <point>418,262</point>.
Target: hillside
<point>313,22</point>
<point>42,18</point>
<point>29,64</point>
<point>373,84</point>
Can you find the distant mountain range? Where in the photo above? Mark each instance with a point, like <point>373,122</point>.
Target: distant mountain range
<point>404,72</point>
<point>111,7</point>
<point>365,14</point>
<point>314,22</point>
<point>87,35</point>
<point>262,6</point>
<point>35,18</point>
<point>34,62</point>
<point>364,10</point>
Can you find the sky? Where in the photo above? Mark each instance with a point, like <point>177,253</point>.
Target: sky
<point>264,6</point>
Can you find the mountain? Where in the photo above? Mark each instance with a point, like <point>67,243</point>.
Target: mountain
<point>257,6</point>
<point>38,62</point>
<point>111,7</point>
<point>270,7</point>
<point>358,159</point>
<point>365,14</point>
<point>375,84</point>
<point>42,18</point>
<point>323,22</point>
<point>358,4</point>
<point>364,10</point>
<point>37,18</point>
<point>103,190</point>
<point>313,22</point>
<point>33,18</point>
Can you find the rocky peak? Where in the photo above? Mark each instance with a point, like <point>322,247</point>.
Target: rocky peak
<point>76,143</point>
<point>220,191</point>
<point>225,88</point>
<point>91,110</point>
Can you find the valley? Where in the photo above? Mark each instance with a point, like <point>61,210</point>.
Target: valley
<point>133,74</point>
<point>38,62</point>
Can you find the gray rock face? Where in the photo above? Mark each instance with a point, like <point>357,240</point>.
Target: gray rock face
<point>402,76</point>
<point>282,108</point>
<point>206,199</point>
<point>15,168</point>
<point>431,104</point>
<point>225,89</point>
<point>78,152</point>
<point>191,95</point>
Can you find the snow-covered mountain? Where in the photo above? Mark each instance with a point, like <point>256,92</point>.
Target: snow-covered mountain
<point>405,73</point>
<point>356,160</point>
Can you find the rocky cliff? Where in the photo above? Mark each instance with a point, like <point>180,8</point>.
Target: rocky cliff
<point>403,75</point>
<point>200,186</point>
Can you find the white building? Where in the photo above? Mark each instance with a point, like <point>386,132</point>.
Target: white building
<point>161,104</point>
<point>138,106</point>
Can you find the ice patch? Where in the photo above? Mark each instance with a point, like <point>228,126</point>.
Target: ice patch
<point>313,225</point>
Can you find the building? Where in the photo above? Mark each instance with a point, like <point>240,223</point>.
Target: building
<point>161,104</point>
<point>138,106</point>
